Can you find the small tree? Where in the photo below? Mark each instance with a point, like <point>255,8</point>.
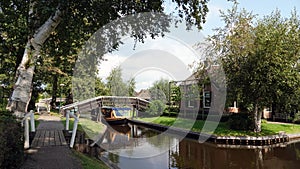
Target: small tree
<point>156,107</point>
<point>160,90</point>
<point>116,85</point>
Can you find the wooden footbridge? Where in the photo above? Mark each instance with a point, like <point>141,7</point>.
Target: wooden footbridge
<point>136,103</point>
<point>95,105</point>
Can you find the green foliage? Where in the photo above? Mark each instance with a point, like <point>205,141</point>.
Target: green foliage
<point>11,141</point>
<point>80,19</point>
<point>116,85</point>
<point>241,121</point>
<point>297,118</point>
<point>175,94</point>
<point>260,59</point>
<point>156,107</point>
<point>100,88</point>
<point>14,28</point>
<point>160,90</point>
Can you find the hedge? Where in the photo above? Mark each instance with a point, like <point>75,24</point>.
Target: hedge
<point>11,141</point>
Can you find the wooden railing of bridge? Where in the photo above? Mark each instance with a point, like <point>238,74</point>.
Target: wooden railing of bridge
<point>114,101</point>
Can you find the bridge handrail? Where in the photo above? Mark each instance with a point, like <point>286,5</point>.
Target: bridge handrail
<point>25,123</point>
<point>72,105</point>
<point>75,125</point>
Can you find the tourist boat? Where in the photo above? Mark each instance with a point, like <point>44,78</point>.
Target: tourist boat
<point>114,115</point>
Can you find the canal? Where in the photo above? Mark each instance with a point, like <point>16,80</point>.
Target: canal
<point>135,147</point>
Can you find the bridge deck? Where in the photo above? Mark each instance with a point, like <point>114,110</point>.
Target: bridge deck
<point>49,148</point>
<point>48,138</point>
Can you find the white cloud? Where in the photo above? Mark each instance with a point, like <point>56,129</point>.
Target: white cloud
<point>168,57</point>
<point>111,61</point>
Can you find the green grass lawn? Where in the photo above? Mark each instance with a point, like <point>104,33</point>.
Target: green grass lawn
<point>223,127</point>
<point>91,128</point>
<point>89,162</point>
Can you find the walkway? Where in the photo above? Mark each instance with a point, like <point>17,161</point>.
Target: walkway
<point>49,149</point>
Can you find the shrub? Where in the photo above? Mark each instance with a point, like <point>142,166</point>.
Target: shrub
<point>11,141</point>
<point>241,121</point>
<point>297,118</point>
<point>156,107</point>
<point>173,109</point>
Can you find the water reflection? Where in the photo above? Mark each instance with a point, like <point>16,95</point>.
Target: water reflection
<point>135,141</point>
<point>170,152</point>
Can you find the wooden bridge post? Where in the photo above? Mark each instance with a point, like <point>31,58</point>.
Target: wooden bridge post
<point>76,119</point>
<point>26,126</point>
<point>98,113</point>
<point>67,119</point>
<point>32,123</point>
<point>26,143</point>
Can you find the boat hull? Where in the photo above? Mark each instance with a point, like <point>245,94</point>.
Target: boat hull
<point>116,121</point>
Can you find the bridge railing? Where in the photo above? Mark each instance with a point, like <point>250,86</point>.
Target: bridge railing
<point>25,123</point>
<point>75,125</point>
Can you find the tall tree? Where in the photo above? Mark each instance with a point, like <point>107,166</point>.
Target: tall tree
<point>116,85</point>
<point>43,17</point>
<point>260,58</point>
<point>160,90</point>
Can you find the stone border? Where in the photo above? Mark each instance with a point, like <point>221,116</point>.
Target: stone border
<point>225,141</point>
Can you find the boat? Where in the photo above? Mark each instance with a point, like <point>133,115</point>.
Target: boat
<point>114,115</point>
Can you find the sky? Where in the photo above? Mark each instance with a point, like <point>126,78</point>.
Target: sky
<point>154,59</point>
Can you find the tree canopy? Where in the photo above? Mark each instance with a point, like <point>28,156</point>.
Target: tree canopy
<point>260,58</point>
<point>46,35</point>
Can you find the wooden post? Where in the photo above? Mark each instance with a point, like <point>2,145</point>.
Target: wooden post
<point>25,121</point>
<point>74,130</point>
<point>26,143</point>
<point>67,119</point>
<point>32,121</point>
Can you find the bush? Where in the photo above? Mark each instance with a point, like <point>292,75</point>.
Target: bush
<point>156,107</point>
<point>173,109</point>
<point>170,114</point>
<point>241,121</point>
<point>297,118</point>
<point>11,141</point>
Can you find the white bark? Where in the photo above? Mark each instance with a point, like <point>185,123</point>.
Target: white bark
<point>257,119</point>
<point>22,90</point>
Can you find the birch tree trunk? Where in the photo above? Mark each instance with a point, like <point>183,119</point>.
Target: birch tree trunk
<point>23,87</point>
<point>257,119</point>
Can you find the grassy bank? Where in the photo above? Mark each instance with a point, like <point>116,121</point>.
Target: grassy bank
<point>89,162</point>
<point>223,127</point>
<point>91,128</point>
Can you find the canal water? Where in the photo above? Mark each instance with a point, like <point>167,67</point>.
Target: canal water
<point>136,147</point>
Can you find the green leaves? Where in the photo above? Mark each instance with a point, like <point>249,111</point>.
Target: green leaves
<point>260,57</point>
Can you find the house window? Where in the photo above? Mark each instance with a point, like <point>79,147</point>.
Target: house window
<point>207,99</point>
<point>191,103</point>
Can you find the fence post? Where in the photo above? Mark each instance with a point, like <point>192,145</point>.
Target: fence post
<point>32,121</point>
<point>26,143</point>
<point>74,131</point>
<point>67,119</point>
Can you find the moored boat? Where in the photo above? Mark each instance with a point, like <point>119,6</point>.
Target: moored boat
<point>113,115</point>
